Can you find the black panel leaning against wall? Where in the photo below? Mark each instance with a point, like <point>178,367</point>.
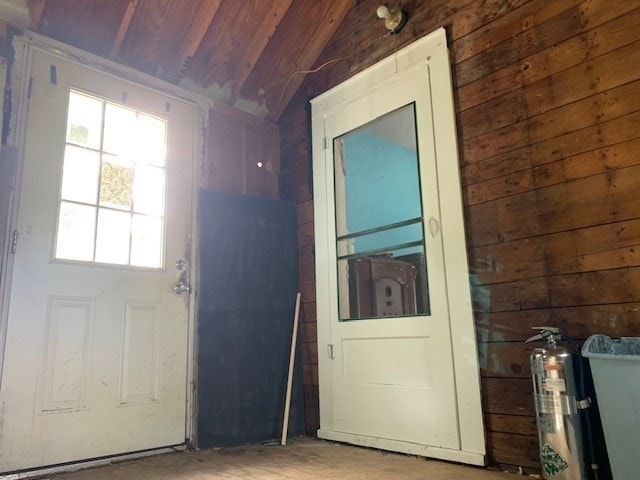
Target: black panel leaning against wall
<point>246,301</point>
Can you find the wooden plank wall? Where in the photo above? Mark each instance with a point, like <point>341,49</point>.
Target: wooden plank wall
<point>243,154</point>
<point>548,111</point>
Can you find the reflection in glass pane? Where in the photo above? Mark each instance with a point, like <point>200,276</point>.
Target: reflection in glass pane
<point>84,122</point>
<point>115,183</point>
<point>76,227</point>
<point>112,241</point>
<point>379,173</point>
<point>382,269</point>
<point>146,241</point>
<point>119,130</point>
<point>152,134</point>
<point>148,190</point>
<point>383,241</point>
<point>80,174</point>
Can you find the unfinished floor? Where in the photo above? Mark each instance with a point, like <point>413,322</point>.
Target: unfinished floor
<point>302,459</point>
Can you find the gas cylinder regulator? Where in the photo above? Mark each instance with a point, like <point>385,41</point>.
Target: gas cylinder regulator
<point>561,403</point>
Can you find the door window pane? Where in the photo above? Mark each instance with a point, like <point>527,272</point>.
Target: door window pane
<point>146,246</point>
<point>112,241</point>
<point>84,123</point>
<point>148,190</point>
<point>115,183</point>
<point>114,165</point>
<point>154,131</point>
<point>80,174</point>
<point>76,228</point>
<point>382,266</point>
<point>119,130</point>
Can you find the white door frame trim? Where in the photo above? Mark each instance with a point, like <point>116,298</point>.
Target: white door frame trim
<point>25,45</point>
<point>430,52</point>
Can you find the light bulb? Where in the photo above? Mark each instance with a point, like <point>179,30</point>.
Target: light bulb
<point>382,12</point>
<point>394,19</point>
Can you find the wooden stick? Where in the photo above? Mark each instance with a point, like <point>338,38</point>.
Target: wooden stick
<point>292,356</point>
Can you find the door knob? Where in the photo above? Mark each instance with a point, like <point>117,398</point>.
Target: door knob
<point>182,288</point>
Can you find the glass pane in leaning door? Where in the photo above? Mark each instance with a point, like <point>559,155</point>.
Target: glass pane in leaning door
<point>382,263</point>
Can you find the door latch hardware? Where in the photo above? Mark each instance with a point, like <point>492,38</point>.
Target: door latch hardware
<point>434,227</point>
<point>330,351</point>
<point>14,242</point>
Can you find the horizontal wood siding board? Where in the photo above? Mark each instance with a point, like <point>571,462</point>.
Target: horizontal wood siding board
<point>582,81</point>
<point>291,136</point>
<point>310,374</point>
<point>507,396</point>
<point>295,173</point>
<point>309,353</point>
<point>306,235</point>
<point>578,141</point>
<point>581,289</point>
<point>543,35</point>
<point>590,45</point>
<point>595,288</point>
<point>505,359</point>
<point>296,155</point>
<point>309,332</point>
<point>596,200</point>
<point>512,23</point>
<point>601,247</point>
<point>615,320</point>
<point>513,449</point>
<point>308,312</point>
<point>307,275</point>
<point>566,24</point>
<point>299,193</point>
<point>558,121</point>
<point>516,424</point>
<point>602,160</point>
<point>305,212</point>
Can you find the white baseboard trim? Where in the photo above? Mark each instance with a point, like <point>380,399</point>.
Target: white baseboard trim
<point>469,458</point>
<point>91,463</point>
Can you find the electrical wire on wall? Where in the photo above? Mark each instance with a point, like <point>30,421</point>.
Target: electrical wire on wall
<point>305,72</point>
<point>394,20</point>
<point>324,65</point>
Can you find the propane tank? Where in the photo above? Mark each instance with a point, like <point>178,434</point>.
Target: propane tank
<point>558,402</point>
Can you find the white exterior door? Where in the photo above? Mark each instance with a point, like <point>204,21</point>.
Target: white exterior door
<point>393,295</point>
<point>95,360</point>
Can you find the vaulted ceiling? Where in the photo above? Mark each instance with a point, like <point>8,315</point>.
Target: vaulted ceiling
<point>247,53</point>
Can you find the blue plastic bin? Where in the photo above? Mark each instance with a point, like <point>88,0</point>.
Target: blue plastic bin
<point>615,365</point>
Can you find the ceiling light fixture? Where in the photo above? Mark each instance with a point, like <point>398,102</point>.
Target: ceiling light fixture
<point>394,19</point>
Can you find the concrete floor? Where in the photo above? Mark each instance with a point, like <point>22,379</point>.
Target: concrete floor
<point>302,459</point>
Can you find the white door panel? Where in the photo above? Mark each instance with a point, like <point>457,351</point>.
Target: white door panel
<point>393,376</point>
<point>393,293</point>
<point>96,355</point>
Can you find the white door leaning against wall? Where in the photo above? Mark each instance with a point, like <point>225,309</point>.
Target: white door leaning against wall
<point>95,360</point>
<point>393,297</point>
